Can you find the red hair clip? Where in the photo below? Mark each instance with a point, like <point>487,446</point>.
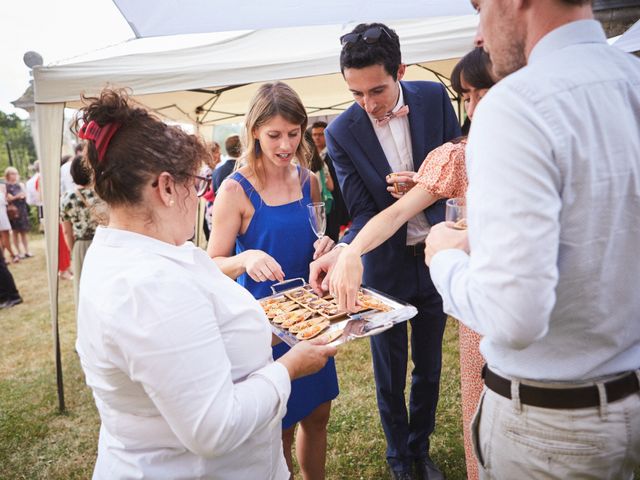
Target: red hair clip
<point>101,136</point>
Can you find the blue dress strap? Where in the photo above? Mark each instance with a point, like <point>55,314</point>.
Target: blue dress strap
<point>249,189</point>
<point>306,186</point>
<point>256,199</point>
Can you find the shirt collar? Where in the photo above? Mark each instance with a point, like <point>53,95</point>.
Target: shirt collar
<point>114,237</point>
<point>580,31</point>
<point>399,104</point>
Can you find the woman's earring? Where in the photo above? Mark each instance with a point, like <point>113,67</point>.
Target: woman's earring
<point>257,147</point>
<point>171,202</point>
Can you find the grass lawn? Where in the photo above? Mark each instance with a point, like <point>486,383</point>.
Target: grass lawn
<point>36,442</point>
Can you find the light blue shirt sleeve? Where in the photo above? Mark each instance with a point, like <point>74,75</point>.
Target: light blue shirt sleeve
<point>554,182</point>
<point>505,289</point>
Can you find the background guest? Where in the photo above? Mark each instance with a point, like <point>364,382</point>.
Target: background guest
<point>339,216</point>
<point>210,164</point>
<point>9,296</point>
<point>20,224</point>
<point>33,193</point>
<point>233,146</point>
<point>317,166</point>
<point>66,182</point>
<point>64,253</point>
<point>78,222</point>
<point>5,226</point>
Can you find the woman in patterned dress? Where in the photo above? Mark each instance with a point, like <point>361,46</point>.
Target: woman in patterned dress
<point>16,195</point>
<point>443,174</point>
<point>78,223</point>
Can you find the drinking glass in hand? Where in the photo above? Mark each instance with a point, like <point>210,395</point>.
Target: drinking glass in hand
<point>317,218</point>
<point>456,213</point>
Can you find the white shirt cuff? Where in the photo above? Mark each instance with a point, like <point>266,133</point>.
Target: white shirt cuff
<point>278,376</point>
<point>441,265</point>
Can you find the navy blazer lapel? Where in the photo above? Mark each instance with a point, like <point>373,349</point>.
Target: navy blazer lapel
<point>363,132</point>
<point>413,99</point>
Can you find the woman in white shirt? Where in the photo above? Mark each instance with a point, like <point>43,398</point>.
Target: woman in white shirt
<point>178,355</point>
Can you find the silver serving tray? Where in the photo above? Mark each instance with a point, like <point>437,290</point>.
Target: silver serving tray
<point>356,325</point>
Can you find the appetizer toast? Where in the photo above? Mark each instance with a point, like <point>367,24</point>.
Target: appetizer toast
<point>306,315</point>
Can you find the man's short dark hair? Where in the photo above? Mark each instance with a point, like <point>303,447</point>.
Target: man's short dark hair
<point>319,124</point>
<point>80,174</point>
<point>233,146</point>
<point>385,51</point>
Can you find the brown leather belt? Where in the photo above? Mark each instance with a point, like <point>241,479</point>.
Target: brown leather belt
<point>563,398</point>
<point>416,250</point>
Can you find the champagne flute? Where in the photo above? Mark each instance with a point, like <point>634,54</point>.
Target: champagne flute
<point>456,213</point>
<point>317,218</point>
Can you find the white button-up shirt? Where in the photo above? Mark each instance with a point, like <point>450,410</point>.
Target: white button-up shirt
<point>178,357</point>
<point>395,140</point>
<point>553,212</point>
<point>66,180</point>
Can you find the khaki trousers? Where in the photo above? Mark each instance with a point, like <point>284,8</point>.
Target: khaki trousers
<point>78,253</point>
<point>515,441</point>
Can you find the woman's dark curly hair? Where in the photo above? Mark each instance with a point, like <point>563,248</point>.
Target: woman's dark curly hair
<point>141,149</point>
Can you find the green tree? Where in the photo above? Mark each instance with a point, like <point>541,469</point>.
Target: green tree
<point>16,144</point>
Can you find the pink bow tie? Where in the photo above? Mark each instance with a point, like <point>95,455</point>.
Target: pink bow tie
<point>401,112</point>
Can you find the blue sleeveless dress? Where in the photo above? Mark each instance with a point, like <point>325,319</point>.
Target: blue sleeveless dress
<point>284,232</point>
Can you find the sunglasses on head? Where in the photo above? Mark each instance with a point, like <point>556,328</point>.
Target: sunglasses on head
<point>369,36</point>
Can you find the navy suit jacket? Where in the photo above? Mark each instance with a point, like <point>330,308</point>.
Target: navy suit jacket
<point>222,172</point>
<point>361,167</point>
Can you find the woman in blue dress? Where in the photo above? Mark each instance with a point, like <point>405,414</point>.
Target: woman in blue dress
<point>261,235</point>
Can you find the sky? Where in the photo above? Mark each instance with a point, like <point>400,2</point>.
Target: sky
<point>57,29</point>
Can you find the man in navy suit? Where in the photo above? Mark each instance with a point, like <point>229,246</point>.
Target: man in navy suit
<point>233,146</point>
<point>391,128</point>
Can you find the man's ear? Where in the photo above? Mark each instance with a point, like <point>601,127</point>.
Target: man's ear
<point>401,71</point>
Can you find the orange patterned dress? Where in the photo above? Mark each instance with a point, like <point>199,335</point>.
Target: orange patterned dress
<point>444,174</point>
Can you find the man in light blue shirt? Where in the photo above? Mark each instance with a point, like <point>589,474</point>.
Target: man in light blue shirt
<point>552,279</point>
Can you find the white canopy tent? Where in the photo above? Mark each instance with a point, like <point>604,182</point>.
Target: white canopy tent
<point>167,17</point>
<point>206,79</point>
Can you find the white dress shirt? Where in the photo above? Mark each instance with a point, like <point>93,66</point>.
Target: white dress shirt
<point>179,360</point>
<point>395,140</point>
<point>553,207</point>
<point>66,180</point>
<point>33,195</point>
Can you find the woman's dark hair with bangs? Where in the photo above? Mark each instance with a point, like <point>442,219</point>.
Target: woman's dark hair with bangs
<point>475,67</point>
